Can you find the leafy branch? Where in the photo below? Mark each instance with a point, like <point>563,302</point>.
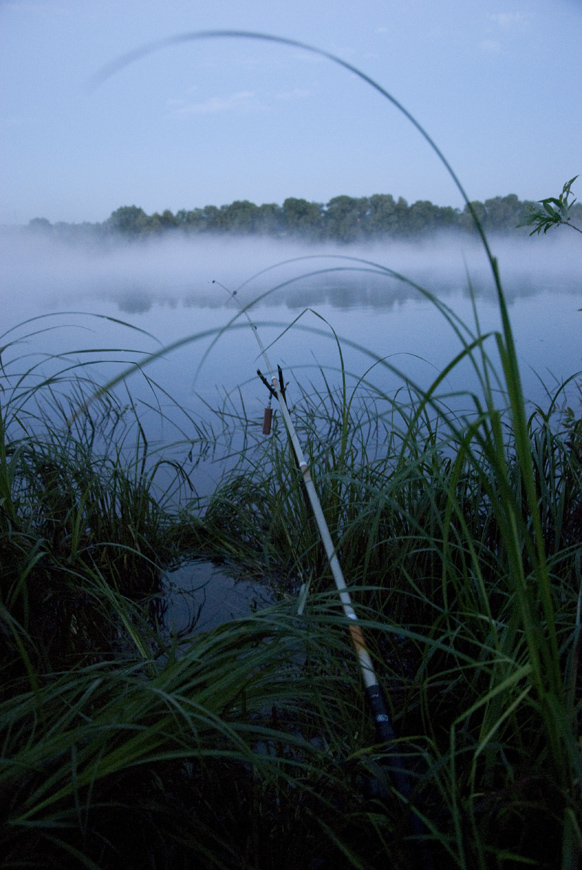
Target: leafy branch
<point>554,212</point>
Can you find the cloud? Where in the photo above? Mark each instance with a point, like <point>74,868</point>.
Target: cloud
<point>500,23</point>
<point>241,101</point>
<point>505,20</point>
<point>294,94</point>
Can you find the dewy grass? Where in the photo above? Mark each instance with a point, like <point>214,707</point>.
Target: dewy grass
<point>456,526</point>
<point>78,514</point>
<point>93,777</point>
<point>462,530</point>
<point>255,735</point>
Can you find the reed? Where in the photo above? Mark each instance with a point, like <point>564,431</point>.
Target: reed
<point>120,746</point>
<point>458,532</point>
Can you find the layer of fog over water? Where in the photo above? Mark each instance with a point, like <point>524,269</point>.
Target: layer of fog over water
<point>165,288</point>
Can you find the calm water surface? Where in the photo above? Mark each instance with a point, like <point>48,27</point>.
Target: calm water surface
<point>171,290</point>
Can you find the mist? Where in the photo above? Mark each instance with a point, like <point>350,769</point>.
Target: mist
<point>42,275</point>
<point>172,287</point>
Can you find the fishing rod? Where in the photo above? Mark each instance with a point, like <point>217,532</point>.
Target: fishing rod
<point>372,688</point>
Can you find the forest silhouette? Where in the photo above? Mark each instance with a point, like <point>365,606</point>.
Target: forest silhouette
<point>344,219</point>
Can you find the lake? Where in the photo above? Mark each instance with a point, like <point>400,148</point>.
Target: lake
<point>140,298</point>
<point>166,289</point>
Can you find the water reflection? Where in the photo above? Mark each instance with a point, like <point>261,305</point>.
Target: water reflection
<point>202,596</point>
<point>171,289</point>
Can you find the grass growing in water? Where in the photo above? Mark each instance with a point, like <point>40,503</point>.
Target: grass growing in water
<point>118,749</point>
<point>253,739</point>
<point>460,535</point>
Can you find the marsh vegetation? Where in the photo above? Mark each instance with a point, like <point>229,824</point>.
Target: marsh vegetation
<point>250,745</point>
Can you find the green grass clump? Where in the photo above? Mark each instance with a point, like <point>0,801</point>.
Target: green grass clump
<point>459,534</point>
<point>81,528</point>
<point>204,759</point>
<point>123,746</point>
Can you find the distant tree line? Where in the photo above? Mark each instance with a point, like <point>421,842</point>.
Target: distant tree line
<point>343,219</point>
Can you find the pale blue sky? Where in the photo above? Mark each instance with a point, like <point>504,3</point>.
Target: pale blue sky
<point>496,83</point>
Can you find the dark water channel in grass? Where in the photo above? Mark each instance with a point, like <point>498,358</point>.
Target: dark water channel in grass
<point>165,291</point>
<point>202,596</point>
